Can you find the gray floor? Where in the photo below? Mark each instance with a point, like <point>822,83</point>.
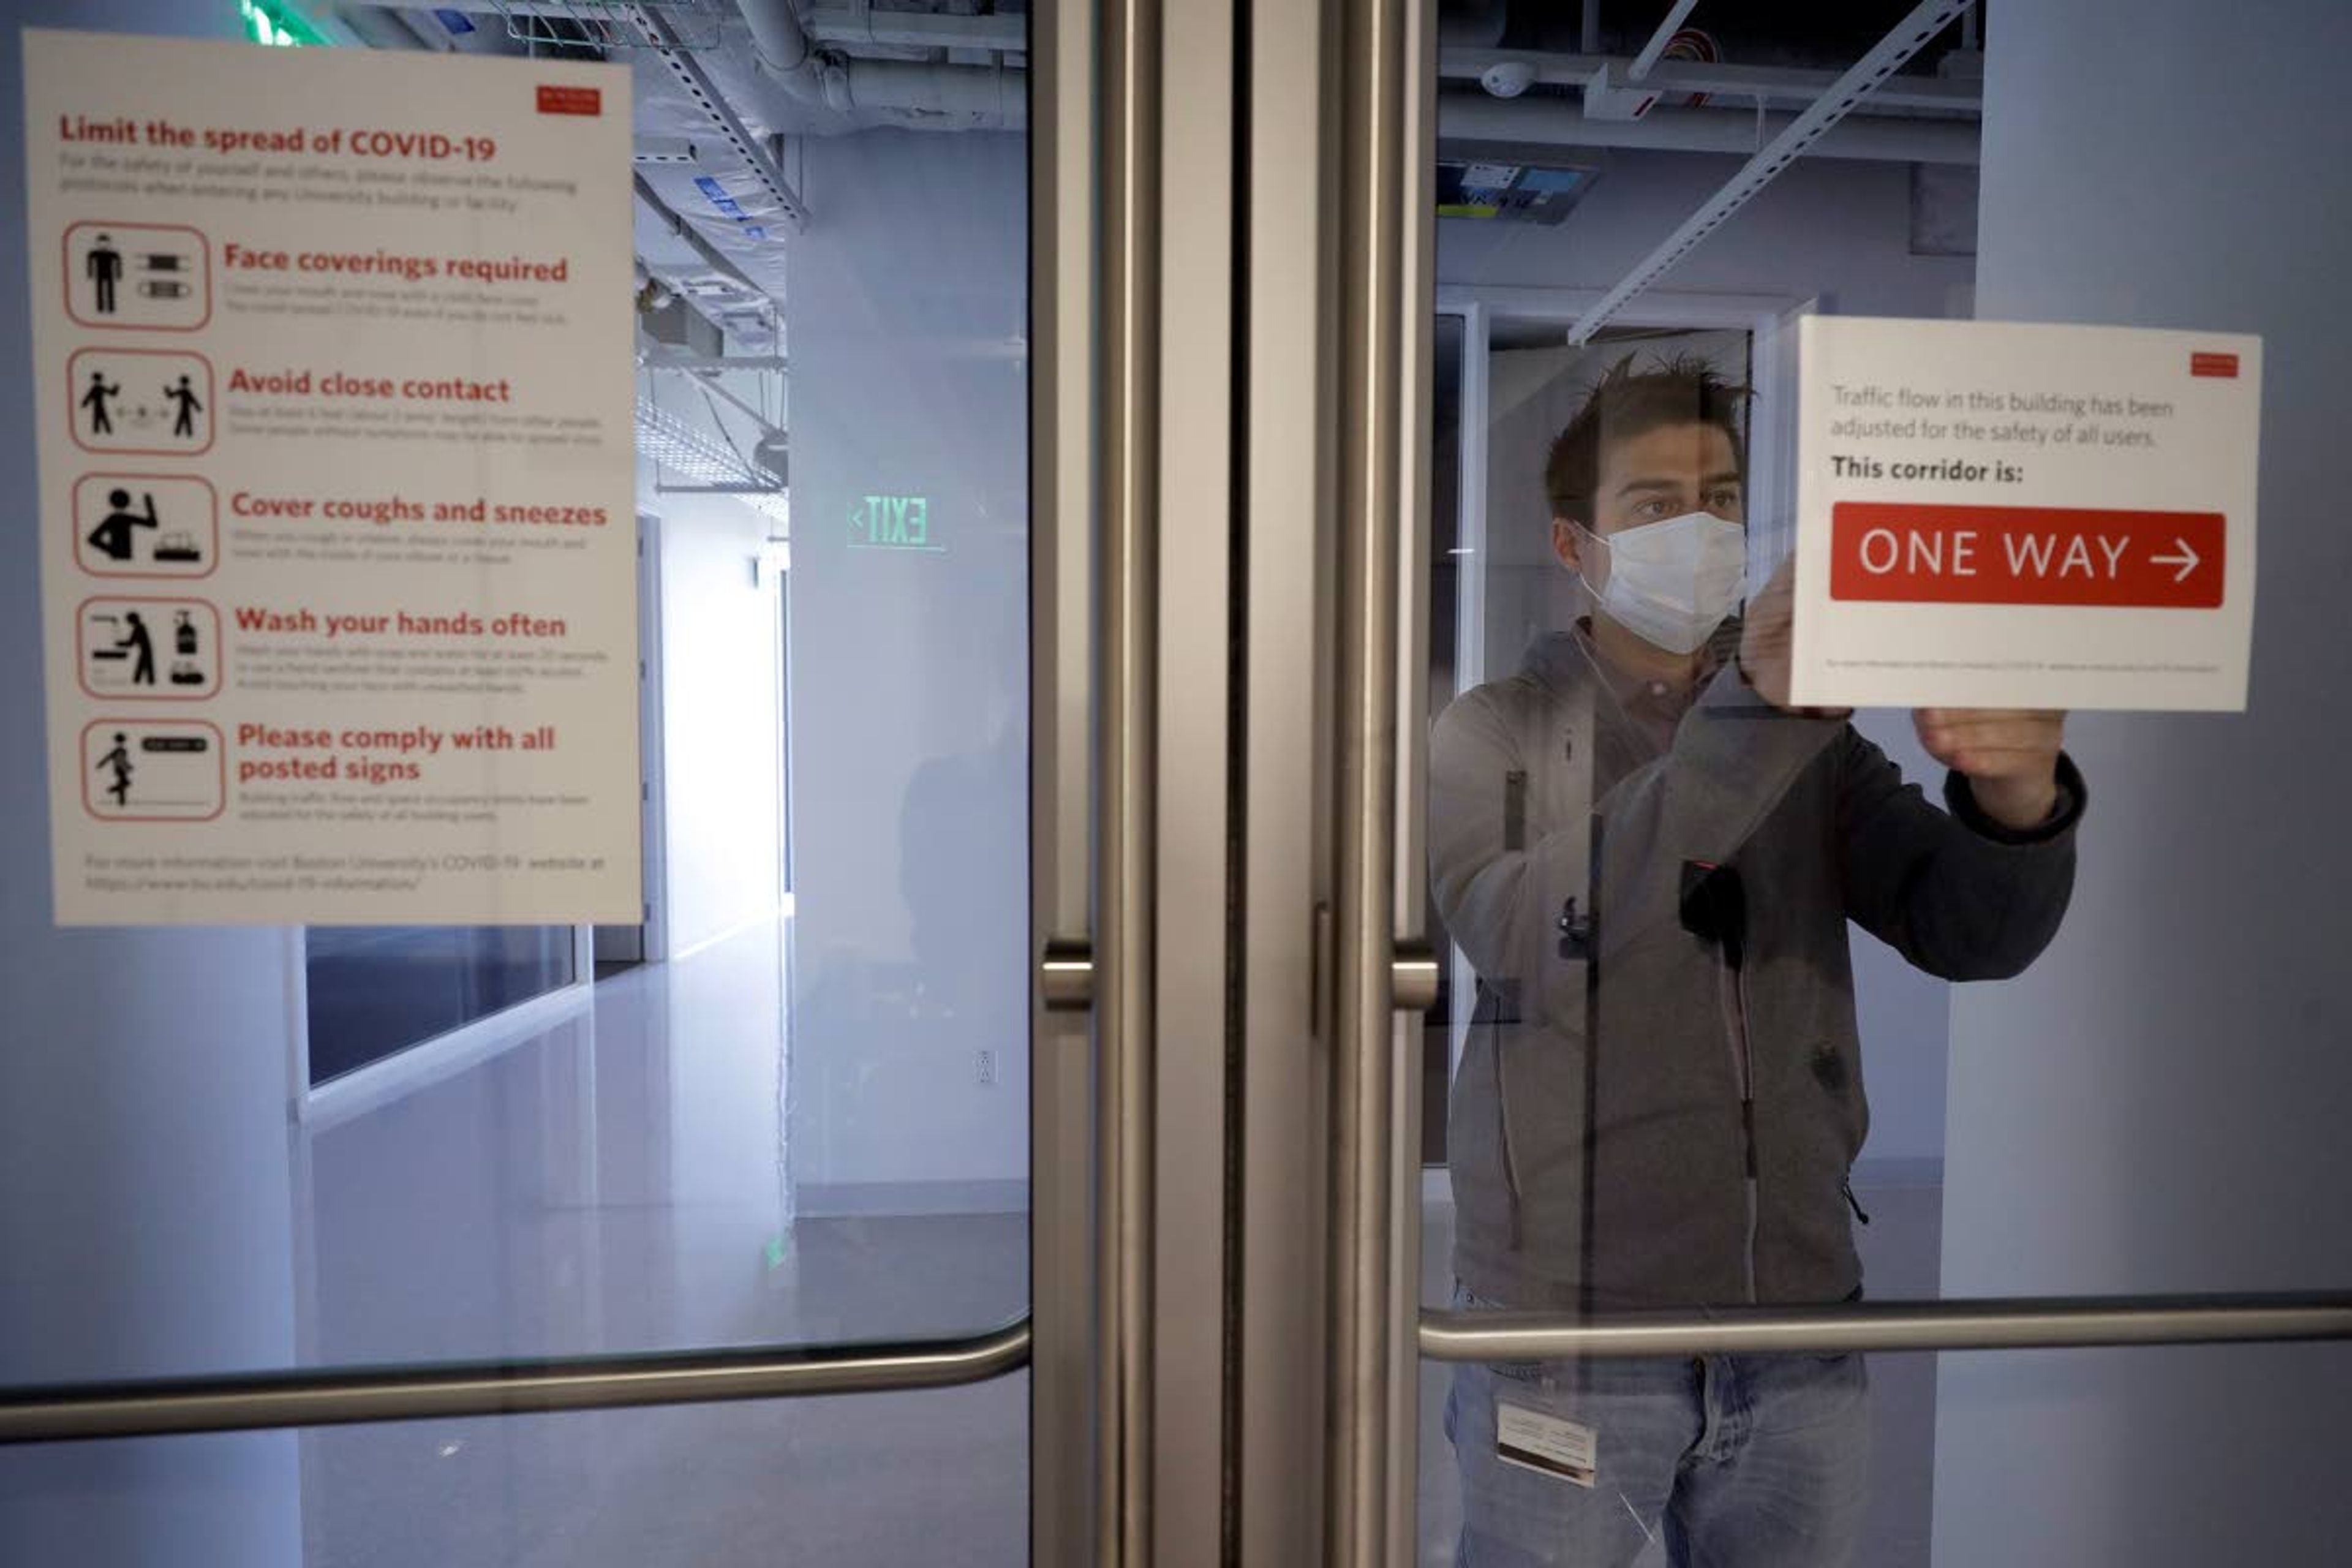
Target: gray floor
<point>616,1183</point>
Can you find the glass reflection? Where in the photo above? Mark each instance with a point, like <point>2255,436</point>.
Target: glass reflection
<point>1650,858</point>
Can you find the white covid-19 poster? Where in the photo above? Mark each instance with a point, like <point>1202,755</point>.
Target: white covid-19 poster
<point>336,537</point>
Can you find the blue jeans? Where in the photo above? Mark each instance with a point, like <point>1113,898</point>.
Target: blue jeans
<point>1733,1461</point>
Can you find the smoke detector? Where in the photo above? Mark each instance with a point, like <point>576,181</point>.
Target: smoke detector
<point>1508,79</point>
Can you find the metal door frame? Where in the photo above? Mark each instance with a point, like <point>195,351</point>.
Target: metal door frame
<point>1284,1344</point>
<point>1383,975</point>
<point>1057,1340</point>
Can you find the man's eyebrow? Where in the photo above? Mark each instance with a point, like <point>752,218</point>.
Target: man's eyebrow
<point>1631,487</point>
<point>1729,477</point>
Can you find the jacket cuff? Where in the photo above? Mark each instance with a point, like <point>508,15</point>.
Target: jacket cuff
<point>2072,796</point>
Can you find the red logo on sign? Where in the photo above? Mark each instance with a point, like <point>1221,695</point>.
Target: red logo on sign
<point>2026,555</point>
<point>571,99</point>
<point>2221,364</point>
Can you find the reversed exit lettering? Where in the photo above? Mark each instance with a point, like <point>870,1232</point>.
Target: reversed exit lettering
<point>892,522</point>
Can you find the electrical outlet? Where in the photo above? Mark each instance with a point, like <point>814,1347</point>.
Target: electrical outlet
<point>986,1071</point>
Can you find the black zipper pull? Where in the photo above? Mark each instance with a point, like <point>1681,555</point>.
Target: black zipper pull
<point>1853,1202</point>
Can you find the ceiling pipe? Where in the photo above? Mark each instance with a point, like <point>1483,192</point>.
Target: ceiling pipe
<point>1559,122</point>
<point>1745,82</point>
<point>1926,20</point>
<point>947,96</point>
<point>1005,33</point>
<point>995,93</point>
<point>782,48</point>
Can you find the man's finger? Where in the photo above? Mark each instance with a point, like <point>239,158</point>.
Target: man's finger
<point>1997,760</point>
<point>2025,728</point>
<point>1963,715</point>
<point>1995,733</point>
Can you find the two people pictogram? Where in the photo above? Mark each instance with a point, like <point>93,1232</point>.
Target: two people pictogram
<point>98,402</point>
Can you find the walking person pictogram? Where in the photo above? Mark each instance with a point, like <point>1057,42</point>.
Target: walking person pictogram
<point>185,396</point>
<point>103,267</point>
<point>112,538</point>
<point>95,400</point>
<point>119,759</point>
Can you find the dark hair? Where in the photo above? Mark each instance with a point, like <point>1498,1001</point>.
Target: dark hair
<point>1626,403</point>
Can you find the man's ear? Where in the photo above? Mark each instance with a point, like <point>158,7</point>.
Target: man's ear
<point>1566,542</point>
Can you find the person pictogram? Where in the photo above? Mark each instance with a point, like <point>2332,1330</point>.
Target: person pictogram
<point>185,396</point>
<point>141,647</point>
<point>119,759</point>
<point>104,268</point>
<point>96,399</point>
<point>114,537</point>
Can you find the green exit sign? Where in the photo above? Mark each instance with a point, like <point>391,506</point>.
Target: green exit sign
<point>270,22</point>
<point>892,522</point>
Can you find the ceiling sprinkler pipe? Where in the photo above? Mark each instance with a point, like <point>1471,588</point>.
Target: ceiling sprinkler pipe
<point>782,48</point>
<point>953,97</point>
<point>992,93</point>
<point>1476,116</point>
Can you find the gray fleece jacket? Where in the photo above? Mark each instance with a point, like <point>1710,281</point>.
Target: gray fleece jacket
<point>1661,1095</point>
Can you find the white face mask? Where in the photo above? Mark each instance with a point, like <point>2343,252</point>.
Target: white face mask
<point>1672,582</point>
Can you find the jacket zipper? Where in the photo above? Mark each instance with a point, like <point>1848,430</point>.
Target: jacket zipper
<point>1503,1137</point>
<point>1733,984</point>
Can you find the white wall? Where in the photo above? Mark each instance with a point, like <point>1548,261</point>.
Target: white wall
<point>1839,230</point>
<point>2159,1105</point>
<point>907,319</point>
<point>146,1209</point>
<point>721,716</point>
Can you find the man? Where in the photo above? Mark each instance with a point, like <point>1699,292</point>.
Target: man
<point>1650,857</point>
<point>95,400</point>
<point>115,533</point>
<point>139,646</point>
<point>185,396</point>
<point>104,267</point>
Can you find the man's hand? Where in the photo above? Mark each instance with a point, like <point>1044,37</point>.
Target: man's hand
<point>2009,755</point>
<point>1765,634</point>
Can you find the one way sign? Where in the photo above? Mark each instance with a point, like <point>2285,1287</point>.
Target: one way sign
<point>1925,555</point>
<point>2002,514</point>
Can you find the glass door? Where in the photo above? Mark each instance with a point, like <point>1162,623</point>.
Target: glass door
<point>1795,1112</point>
<point>316,1265</point>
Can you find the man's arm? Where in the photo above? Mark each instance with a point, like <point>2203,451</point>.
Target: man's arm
<point>1734,757</point>
<point>1960,895</point>
<point>1484,883</point>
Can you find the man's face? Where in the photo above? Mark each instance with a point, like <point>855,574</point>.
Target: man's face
<point>1649,478</point>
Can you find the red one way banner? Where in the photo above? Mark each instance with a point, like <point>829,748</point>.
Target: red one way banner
<point>1907,552</point>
